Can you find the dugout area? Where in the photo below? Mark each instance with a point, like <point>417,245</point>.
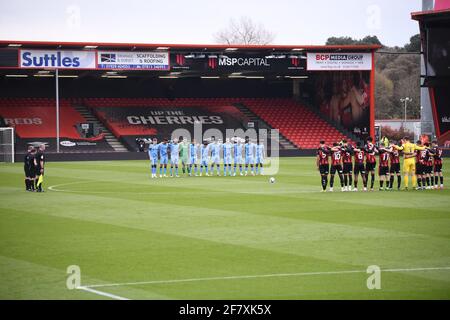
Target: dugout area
<point>109,95</point>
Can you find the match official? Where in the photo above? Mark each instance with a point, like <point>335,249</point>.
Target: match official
<point>40,162</point>
<point>29,168</point>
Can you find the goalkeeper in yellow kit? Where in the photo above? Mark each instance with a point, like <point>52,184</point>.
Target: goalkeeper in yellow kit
<point>409,163</point>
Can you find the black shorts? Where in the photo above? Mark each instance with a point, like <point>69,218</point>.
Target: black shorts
<point>30,172</point>
<point>438,167</point>
<point>428,169</point>
<point>419,168</point>
<point>395,168</point>
<point>348,168</point>
<point>370,166</point>
<point>337,168</point>
<point>359,168</point>
<point>324,169</point>
<point>383,171</point>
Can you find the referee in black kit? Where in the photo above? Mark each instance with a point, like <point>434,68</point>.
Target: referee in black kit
<point>39,161</point>
<point>29,167</point>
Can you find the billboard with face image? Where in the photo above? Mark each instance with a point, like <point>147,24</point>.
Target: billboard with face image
<point>343,97</point>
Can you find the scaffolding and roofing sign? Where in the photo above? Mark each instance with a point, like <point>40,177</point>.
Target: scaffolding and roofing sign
<point>150,60</point>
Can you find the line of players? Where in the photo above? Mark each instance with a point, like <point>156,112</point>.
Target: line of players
<point>197,159</point>
<point>428,165</point>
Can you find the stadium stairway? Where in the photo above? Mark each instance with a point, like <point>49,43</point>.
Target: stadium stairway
<point>284,142</point>
<point>90,117</point>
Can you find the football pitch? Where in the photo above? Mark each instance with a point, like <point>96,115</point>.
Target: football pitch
<point>217,237</point>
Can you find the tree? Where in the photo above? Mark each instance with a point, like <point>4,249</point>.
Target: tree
<point>414,44</point>
<point>370,40</point>
<point>350,40</point>
<point>340,41</point>
<point>397,76</point>
<point>244,31</point>
<point>384,92</point>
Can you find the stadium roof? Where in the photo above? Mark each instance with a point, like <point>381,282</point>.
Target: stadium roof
<point>180,47</point>
<point>195,52</point>
<point>420,15</point>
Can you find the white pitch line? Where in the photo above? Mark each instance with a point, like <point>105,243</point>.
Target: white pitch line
<point>101,293</point>
<point>271,192</point>
<point>274,275</point>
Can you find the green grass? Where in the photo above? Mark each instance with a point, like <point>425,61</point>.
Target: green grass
<point>119,226</point>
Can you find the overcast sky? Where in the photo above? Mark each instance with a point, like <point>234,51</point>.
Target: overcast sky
<point>196,21</point>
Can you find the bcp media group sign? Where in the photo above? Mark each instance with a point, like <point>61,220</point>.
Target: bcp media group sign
<point>338,61</point>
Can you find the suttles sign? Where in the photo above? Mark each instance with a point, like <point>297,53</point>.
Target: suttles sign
<point>317,61</point>
<point>61,59</point>
<point>133,60</point>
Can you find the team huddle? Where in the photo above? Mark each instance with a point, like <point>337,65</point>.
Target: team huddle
<point>34,168</point>
<point>196,159</point>
<point>423,163</point>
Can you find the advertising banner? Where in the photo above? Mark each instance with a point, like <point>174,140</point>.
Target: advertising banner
<point>442,103</point>
<point>133,60</point>
<point>8,58</point>
<point>344,98</point>
<point>61,59</point>
<point>237,63</point>
<point>132,122</point>
<point>161,121</point>
<point>343,61</point>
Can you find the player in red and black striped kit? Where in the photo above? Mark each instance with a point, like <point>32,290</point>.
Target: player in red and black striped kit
<point>336,165</point>
<point>359,154</point>
<point>347,152</point>
<point>426,162</point>
<point>383,169</point>
<point>419,166</point>
<point>394,168</point>
<point>429,166</point>
<point>437,159</point>
<point>322,164</point>
<point>371,162</point>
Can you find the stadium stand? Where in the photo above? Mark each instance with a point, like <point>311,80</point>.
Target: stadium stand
<point>34,120</point>
<point>131,118</point>
<point>296,122</point>
<point>35,117</point>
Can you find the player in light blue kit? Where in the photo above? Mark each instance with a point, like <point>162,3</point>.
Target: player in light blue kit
<point>174,148</point>
<point>215,156</point>
<point>193,148</point>
<point>259,157</point>
<point>153,150</point>
<point>163,157</point>
<point>249,152</point>
<point>227,151</point>
<point>204,152</point>
<point>237,155</point>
